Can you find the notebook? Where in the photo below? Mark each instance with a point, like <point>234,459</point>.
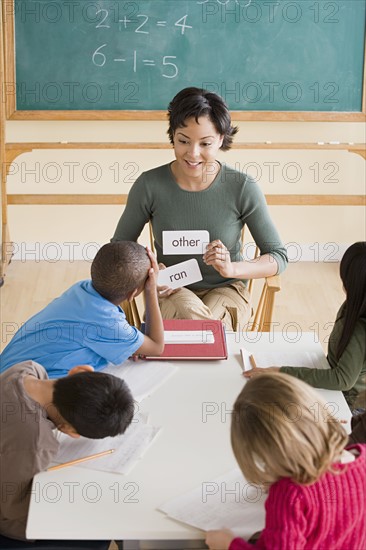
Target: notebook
<point>193,339</point>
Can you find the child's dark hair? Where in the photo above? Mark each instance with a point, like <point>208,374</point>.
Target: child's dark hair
<point>197,102</point>
<point>353,275</point>
<point>96,404</point>
<point>119,268</point>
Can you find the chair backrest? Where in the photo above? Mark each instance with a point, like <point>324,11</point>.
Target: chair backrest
<point>132,313</point>
<point>263,311</point>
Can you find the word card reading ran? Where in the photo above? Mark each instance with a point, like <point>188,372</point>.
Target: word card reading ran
<point>182,274</point>
<point>185,242</point>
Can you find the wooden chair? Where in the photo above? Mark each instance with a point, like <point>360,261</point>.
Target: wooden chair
<point>263,309</point>
<point>263,312</point>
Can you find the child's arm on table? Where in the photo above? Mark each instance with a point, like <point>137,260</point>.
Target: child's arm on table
<point>255,371</point>
<point>224,539</point>
<point>219,539</point>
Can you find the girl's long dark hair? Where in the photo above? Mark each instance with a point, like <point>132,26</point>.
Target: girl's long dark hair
<point>353,275</point>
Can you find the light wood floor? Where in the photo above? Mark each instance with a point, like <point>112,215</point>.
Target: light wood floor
<point>309,300</point>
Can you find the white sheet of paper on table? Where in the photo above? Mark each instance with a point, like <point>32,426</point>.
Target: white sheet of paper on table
<point>228,501</point>
<point>128,448</point>
<point>265,359</point>
<point>143,377</point>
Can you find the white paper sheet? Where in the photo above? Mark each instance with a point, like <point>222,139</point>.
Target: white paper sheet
<point>225,502</point>
<point>143,377</point>
<point>128,448</point>
<point>265,359</point>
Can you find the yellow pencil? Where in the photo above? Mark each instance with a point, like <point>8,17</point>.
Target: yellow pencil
<point>72,462</point>
<point>252,362</point>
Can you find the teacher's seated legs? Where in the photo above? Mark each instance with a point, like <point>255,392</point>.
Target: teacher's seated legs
<point>184,304</point>
<point>229,304</point>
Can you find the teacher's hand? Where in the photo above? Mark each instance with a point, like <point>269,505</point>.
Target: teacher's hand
<point>218,256</point>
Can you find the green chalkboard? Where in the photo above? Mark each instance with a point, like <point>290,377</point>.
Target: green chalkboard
<point>260,55</point>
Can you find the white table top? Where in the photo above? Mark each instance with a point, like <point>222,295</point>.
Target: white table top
<point>193,408</point>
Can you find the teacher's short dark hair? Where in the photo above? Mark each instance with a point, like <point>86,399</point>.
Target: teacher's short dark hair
<point>197,102</point>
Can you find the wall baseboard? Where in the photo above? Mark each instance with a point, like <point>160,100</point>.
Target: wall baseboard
<point>316,252</point>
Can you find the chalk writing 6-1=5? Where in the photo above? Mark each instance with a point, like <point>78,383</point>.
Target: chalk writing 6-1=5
<point>99,59</point>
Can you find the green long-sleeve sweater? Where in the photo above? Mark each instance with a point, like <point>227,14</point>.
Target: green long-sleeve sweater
<point>348,374</point>
<point>232,201</point>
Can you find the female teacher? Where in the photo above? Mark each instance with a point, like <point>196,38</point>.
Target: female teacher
<point>197,192</point>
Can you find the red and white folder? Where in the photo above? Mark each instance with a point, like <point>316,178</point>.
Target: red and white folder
<point>193,339</point>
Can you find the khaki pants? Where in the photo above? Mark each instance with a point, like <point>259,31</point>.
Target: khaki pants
<point>230,304</point>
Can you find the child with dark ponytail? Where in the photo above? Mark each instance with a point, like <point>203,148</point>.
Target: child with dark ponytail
<point>347,342</point>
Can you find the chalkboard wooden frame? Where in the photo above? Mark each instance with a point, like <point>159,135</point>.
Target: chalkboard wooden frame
<point>3,197</point>
<point>13,114</point>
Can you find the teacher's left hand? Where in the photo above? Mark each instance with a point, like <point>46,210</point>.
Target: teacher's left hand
<point>218,256</point>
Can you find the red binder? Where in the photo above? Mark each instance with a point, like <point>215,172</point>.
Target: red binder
<point>211,333</point>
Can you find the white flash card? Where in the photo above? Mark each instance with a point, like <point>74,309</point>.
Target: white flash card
<point>182,274</point>
<point>245,355</point>
<point>185,242</point>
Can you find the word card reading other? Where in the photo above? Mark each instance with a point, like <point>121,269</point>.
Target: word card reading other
<point>185,242</point>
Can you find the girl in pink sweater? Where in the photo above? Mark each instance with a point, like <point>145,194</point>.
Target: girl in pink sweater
<point>284,438</point>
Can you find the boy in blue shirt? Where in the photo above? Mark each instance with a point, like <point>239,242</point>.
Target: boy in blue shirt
<point>86,325</point>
